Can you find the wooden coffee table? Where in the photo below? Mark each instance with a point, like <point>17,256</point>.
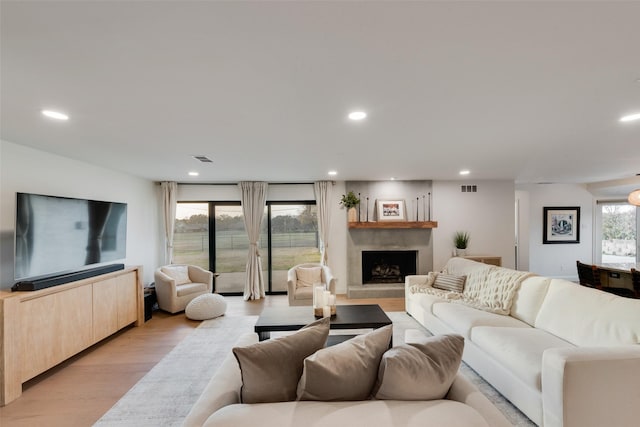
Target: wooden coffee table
<point>272,319</point>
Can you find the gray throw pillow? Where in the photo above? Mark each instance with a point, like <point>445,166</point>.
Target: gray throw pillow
<point>271,369</point>
<point>346,371</point>
<point>420,371</point>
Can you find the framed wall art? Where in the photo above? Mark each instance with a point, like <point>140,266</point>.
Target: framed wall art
<point>561,225</point>
<point>391,210</point>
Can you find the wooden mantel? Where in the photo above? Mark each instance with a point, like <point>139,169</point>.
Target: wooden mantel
<point>394,224</point>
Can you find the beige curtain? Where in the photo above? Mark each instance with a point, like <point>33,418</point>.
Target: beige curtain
<point>253,198</point>
<point>169,194</point>
<point>323,191</point>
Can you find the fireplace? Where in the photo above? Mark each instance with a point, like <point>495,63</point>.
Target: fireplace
<point>388,266</point>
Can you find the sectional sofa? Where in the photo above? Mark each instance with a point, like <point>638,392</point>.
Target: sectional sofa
<point>564,354</point>
<point>219,405</point>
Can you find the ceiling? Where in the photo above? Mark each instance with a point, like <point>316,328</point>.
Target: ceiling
<point>523,91</point>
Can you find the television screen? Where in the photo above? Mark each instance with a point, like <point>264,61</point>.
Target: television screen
<point>60,234</point>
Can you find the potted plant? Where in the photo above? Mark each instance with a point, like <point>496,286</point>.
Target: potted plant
<point>349,201</point>
<point>461,241</point>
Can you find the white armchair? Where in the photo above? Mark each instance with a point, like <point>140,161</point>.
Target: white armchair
<point>302,277</point>
<point>178,284</point>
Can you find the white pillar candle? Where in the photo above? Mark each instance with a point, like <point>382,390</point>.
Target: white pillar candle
<point>318,296</point>
<point>326,311</point>
<point>332,300</point>
<point>326,296</point>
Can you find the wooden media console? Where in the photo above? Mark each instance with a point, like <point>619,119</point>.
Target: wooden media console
<point>43,328</point>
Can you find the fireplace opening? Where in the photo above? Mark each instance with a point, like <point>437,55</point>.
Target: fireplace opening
<point>388,266</point>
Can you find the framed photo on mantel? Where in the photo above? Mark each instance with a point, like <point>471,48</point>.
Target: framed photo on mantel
<point>391,210</point>
<point>561,225</point>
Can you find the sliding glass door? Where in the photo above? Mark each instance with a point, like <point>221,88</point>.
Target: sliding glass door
<point>294,239</point>
<point>212,235</point>
<point>617,227</point>
<point>191,235</point>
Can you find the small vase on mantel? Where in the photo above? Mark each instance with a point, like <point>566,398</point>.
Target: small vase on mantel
<point>352,215</point>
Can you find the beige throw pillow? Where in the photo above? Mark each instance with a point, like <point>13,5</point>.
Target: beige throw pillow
<point>449,282</point>
<point>346,371</point>
<point>179,273</point>
<point>308,276</point>
<point>271,369</point>
<point>420,371</point>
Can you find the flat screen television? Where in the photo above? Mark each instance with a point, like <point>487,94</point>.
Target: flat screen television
<point>56,235</point>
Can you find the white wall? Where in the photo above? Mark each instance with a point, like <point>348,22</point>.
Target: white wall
<point>557,260</point>
<point>488,216</point>
<point>28,170</point>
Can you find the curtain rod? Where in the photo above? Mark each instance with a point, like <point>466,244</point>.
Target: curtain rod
<point>235,183</point>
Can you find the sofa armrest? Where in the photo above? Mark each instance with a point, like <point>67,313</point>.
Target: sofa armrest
<point>591,386</point>
<point>223,389</point>
<point>462,390</point>
<point>200,275</point>
<point>419,279</point>
<point>329,280</point>
<point>165,287</point>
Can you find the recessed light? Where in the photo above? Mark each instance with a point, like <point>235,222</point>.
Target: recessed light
<point>55,115</point>
<point>333,173</point>
<point>357,115</point>
<point>393,178</point>
<point>465,172</point>
<point>193,174</point>
<point>630,117</point>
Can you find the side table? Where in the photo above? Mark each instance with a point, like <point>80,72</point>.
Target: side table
<point>150,301</point>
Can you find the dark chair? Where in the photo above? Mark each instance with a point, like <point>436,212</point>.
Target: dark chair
<point>635,279</point>
<point>589,275</point>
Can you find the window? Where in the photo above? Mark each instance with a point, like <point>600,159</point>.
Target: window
<point>289,236</point>
<point>191,234</point>
<point>617,231</point>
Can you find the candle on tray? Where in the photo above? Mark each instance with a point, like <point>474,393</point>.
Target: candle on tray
<point>326,311</point>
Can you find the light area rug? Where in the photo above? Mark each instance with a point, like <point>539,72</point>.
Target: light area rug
<point>166,394</point>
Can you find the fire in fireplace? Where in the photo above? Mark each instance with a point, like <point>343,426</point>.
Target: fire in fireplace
<point>388,266</point>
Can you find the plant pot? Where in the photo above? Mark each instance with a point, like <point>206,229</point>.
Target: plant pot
<point>352,215</point>
<point>461,252</point>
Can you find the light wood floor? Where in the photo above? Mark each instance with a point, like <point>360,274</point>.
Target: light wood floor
<point>79,391</point>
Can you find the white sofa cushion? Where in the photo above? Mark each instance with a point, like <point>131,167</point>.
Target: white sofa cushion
<point>529,297</point>
<point>588,317</point>
<point>518,349</point>
<point>190,288</point>
<point>369,413</point>
<point>461,319</point>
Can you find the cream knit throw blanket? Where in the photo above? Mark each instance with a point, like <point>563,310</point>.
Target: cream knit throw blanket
<point>493,289</point>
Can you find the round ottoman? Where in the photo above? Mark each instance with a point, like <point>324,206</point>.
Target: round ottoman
<point>206,306</point>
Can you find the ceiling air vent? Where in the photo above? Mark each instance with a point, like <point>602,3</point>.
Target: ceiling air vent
<point>203,159</point>
<point>469,188</point>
